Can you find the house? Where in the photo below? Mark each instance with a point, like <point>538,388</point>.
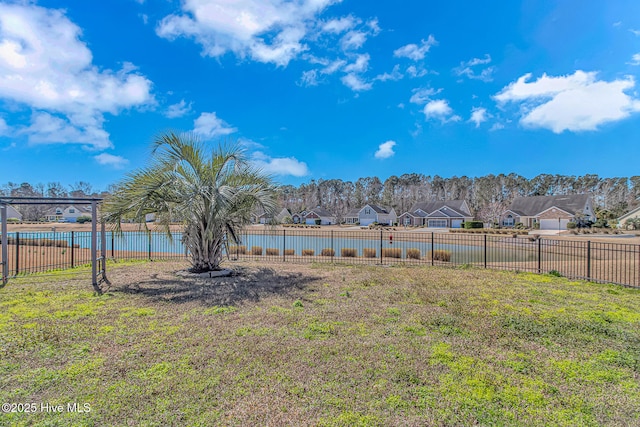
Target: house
<point>325,217</point>
<point>298,218</point>
<point>371,213</point>
<point>631,215</point>
<point>352,217</point>
<point>550,212</point>
<point>437,214</point>
<point>279,218</point>
<point>12,213</point>
<point>69,213</point>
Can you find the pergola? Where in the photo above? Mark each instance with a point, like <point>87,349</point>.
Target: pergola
<point>4,201</point>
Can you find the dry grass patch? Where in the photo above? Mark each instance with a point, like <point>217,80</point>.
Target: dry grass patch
<point>413,253</point>
<point>272,251</point>
<point>290,252</point>
<point>308,252</point>
<point>328,252</point>
<point>392,253</point>
<point>256,250</point>
<point>369,253</point>
<point>349,252</point>
<point>238,249</point>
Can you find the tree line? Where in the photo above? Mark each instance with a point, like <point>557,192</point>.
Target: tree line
<point>486,196</point>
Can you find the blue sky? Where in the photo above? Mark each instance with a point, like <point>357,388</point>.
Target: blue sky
<point>322,88</point>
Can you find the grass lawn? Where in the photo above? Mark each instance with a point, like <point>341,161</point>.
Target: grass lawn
<point>333,345</point>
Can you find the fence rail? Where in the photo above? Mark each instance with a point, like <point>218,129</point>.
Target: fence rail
<point>601,262</point>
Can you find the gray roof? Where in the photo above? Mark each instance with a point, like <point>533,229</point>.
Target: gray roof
<point>320,212</point>
<point>532,206</point>
<point>429,207</point>
<point>352,213</point>
<point>445,212</point>
<point>378,209</point>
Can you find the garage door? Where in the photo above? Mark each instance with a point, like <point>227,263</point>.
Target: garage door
<point>552,224</point>
<point>366,221</point>
<point>438,223</point>
<point>456,223</point>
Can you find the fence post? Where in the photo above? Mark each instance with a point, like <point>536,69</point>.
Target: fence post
<point>73,252</point>
<point>150,246</point>
<point>433,248</point>
<point>485,251</point>
<point>333,251</point>
<point>5,243</point>
<point>113,256</point>
<point>284,244</point>
<point>539,255</point>
<point>589,259</point>
<point>381,246</point>
<point>17,252</point>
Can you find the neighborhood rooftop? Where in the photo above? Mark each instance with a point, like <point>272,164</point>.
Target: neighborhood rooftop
<point>531,206</point>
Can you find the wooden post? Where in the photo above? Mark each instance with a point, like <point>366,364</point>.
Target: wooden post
<point>5,243</point>
<point>94,245</point>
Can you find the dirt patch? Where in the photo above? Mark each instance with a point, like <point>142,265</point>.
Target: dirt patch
<point>246,283</point>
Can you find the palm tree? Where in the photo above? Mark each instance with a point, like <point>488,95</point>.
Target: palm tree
<point>213,193</point>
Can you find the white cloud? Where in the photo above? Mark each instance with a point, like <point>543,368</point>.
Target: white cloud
<point>264,30</point>
<point>385,150</point>
<point>415,52</point>
<point>478,116</point>
<point>394,75</point>
<point>45,66</point>
<point>440,109</point>
<point>178,110</point>
<point>635,59</point>
<point>636,32</point>
<point>414,72</point>
<point>355,82</point>
<point>353,40</point>
<point>496,126</point>
<point>576,102</point>
<point>337,26</point>
<point>279,165</point>
<point>48,129</point>
<point>360,65</point>
<point>308,78</point>
<point>333,66</point>
<point>209,125</point>
<point>117,162</point>
<point>4,128</point>
<point>423,95</point>
<point>469,68</point>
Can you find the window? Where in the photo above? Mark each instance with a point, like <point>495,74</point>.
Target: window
<point>367,211</point>
<point>72,210</point>
<point>508,221</point>
<point>58,211</point>
<point>407,220</point>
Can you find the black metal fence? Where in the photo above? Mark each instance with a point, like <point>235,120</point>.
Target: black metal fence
<point>601,262</point>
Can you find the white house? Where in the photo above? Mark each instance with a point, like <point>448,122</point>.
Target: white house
<point>551,212</point>
<point>352,217</point>
<point>633,214</point>
<point>371,213</point>
<point>69,213</point>
<point>318,213</point>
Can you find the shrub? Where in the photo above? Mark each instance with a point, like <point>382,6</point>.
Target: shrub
<point>273,251</point>
<point>83,219</point>
<point>308,252</point>
<point>12,220</point>
<point>392,252</point>
<point>256,250</point>
<point>239,250</point>
<point>349,252</point>
<point>289,251</point>
<point>571,225</point>
<point>328,252</point>
<point>473,224</point>
<point>369,253</point>
<point>413,253</point>
<point>440,255</point>
<point>318,221</point>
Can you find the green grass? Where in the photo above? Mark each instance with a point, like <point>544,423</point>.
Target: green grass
<point>328,345</point>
